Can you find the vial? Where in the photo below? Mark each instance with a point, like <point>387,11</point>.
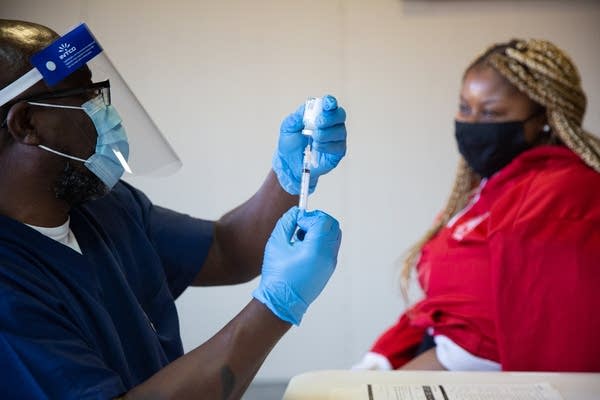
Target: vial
<point>312,108</point>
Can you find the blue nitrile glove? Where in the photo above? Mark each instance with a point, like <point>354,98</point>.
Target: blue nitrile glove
<point>294,273</point>
<point>329,145</point>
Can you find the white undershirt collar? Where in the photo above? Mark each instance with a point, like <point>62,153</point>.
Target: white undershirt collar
<point>62,234</point>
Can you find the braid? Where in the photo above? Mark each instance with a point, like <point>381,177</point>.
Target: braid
<point>546,75</point>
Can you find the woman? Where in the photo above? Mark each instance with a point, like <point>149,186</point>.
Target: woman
<point>511,268</point>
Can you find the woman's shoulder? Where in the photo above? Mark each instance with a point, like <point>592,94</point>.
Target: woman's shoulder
<point>549,182</point>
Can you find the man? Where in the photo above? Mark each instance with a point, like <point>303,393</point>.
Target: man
<point>89,268</point>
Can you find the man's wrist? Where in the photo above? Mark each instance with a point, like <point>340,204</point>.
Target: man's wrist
<point>291,312</point>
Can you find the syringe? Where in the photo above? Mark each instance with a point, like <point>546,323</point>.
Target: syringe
<point>305,180</point>
<point>312,108</point>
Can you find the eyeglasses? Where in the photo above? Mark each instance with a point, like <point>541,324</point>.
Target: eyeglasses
<point>88,92</point>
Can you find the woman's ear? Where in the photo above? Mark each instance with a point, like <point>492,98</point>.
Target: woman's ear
<point>20,124</point>
<point>546,128</point>
<point>534,128</point>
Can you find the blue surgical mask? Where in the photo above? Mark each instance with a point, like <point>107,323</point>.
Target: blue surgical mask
<point>109,160</point>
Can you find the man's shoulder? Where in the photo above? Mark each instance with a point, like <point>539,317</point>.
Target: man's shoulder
<point>123,196</point>
<point>121,192</point>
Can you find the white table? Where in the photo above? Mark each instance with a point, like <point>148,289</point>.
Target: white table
<point>340,384</point>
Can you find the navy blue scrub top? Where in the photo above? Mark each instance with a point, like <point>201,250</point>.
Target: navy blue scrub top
<point>94,325</point>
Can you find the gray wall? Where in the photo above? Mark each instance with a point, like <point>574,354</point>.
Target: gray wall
<point>218,77</point>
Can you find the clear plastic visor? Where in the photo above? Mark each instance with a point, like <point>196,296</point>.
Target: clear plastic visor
<point>150,154</point>
<point>149,151</point>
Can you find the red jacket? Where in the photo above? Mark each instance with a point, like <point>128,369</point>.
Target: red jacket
<point>515,278</point>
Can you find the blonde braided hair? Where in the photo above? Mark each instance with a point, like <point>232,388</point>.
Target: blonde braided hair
<point>548,76</point>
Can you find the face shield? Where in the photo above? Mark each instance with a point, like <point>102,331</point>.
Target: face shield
<point>149,152</point>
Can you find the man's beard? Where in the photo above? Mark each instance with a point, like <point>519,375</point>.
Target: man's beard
<point>75,186</point>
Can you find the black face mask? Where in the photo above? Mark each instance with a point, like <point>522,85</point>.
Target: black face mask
<point>488,147</point>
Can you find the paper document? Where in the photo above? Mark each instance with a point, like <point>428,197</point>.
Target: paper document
<point>518,391</point>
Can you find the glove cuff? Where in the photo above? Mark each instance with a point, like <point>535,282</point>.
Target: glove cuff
<point>284,176</point>
<point>282,301</point>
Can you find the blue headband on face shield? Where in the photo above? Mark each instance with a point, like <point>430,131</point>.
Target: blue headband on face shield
<point>109,160</point>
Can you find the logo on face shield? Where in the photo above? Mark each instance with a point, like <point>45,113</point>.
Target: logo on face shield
<point>65,49</point>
